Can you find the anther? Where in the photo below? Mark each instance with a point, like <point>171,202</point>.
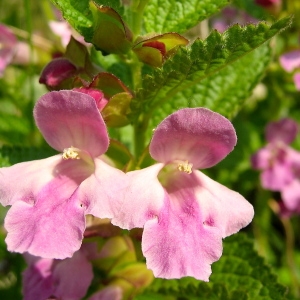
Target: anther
<point>71,153</point>
<point>185,167</point>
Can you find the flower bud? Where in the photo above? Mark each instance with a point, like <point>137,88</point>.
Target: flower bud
<point>115,40</point>
<point>156,49</point>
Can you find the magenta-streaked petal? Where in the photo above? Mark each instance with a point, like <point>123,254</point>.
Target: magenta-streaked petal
<point>108,293</point>
<point>37,279</point>
<point>291,195</point>
<point>297,81</point>
<point>51,223</point>
<point>72,277</point>
<point>284,130</point>
<point>143,198</point>
<point>261,159</point>
<point>197,135</point>
<point>290,60</point>
<point>68,118</point>
<point>176,243</point>
<point>58,70</point>
<point>220,206</point>
<point>22,181</point>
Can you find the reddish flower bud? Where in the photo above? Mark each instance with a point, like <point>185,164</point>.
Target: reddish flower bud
<point>156,49</point>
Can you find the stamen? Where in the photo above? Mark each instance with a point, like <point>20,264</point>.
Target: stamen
<point>185,167</point>
<point>71,153</point>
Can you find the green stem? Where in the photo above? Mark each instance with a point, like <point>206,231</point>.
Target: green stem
<point>137,8</point>
<point>139,136</point>
<point>36,40</point>
<point>136,21</point>
<point>30,43</point>
<point>48,11</point>
<point>290,242</point>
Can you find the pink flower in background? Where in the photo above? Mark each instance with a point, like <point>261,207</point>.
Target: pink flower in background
<point>62,279</point>
<point>276,159</point>
<point>50,197</point>
<point>291,192</point>
<point>184,213</point>
<point>8,44</point>
<point>267,3</point>
<point>283,131</point>
<point>273,6</point>
<point>290,60</point>
<point>280,164</point>
<point>297,81</point>
<point>230,16</point>
<point>62,29</point>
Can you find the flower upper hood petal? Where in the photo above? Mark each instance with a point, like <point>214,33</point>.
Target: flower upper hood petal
<point>198,135</point>
<point>69,118</point>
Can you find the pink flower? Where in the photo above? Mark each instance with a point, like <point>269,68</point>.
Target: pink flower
<point>62,29</point>
<point>50,197</point>
<point>63,279</point>
<point>280,164</point>
<point>283,131</point>
<point>230,16</point>
<point>8,44</point>
<point>297,81</point>
<point>276,159</point>
<point>291,192</point>
<point>184,213</point>
<point>290,60</point>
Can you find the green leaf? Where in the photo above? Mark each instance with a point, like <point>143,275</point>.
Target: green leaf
<point>78,14</point>
<point>252,9</point>
<point>178,16</point>
<point>114,4</point>
<point>224,92</point>
<point>240,274</point>
<point>13,128</point>
<point>244,270</point>
<point>12,266</point>
<point>118,39</point>
<point>12,155</point>
<point>208,66</point>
